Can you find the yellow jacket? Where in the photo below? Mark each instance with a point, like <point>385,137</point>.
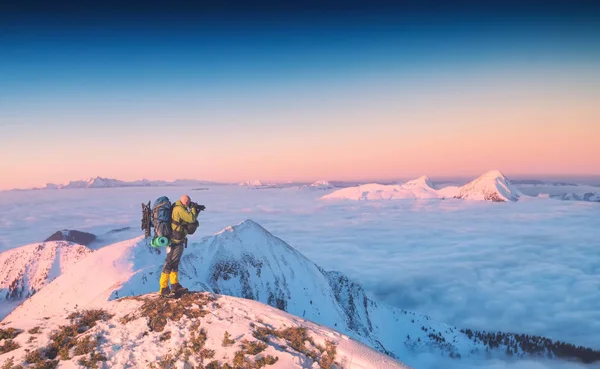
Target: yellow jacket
<point>179,217</point>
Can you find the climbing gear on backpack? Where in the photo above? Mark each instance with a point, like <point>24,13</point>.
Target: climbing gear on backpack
<point>160,242</point>
<point>146,219</point>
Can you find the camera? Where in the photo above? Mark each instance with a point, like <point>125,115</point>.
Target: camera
<point>198,208</point>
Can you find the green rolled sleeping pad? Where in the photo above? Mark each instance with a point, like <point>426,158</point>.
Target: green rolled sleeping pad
<point>160,242</point>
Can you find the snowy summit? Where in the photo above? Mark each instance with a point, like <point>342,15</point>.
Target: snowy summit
<point>491,186</point>
<point>421,182</point>
<point>322,185</point>
<point>318,185</point>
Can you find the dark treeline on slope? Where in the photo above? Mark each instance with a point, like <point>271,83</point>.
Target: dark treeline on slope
<point>519,344</point>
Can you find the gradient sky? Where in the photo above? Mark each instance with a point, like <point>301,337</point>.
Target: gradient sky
<point>299,92</point>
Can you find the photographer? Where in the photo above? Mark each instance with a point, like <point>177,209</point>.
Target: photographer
<point>183,222</point>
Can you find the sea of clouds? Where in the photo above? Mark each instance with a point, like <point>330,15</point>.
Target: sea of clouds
<point>528,267</point>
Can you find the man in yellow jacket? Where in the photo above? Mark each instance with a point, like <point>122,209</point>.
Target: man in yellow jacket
<point>181,219</point>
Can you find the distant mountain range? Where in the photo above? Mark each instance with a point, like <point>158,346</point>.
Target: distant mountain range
<point>491,186</point>
<point>100,182</point>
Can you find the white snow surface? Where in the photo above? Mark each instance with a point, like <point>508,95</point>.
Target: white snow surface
<point>322,185</point>
<point>27,269</point>
<point>420,188</point>
<point>491,186</point>
<point>134,345</point>
<point>256,184</point>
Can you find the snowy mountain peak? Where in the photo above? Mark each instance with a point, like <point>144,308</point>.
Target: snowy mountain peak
<point>491,186</point>
<point>422,181</point>
<point>494,173</point>
<point>248,226</point>
<point>321,183</point>
<point>254,183</point>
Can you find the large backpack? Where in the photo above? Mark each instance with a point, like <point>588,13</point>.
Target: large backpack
<point>161,217</point>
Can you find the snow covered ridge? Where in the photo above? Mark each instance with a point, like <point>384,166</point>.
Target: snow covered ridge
<point>25,270</point>
<point>322,185</point>
<point>571,196</point>
<point>198,330</point>
<point>247,261</point>
<point>254,183</point>
<point>99,182</point>
<point>491,186</point>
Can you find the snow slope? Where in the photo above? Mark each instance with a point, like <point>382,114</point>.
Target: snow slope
<point>491,186</point>
<point>321,185</point>
<point>254,183</point>
<point>420,188</point>
<point>27,269</point>
<point>129,333</point>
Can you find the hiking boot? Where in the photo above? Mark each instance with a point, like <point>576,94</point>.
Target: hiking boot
<point>166,291</point>
<point>178,289</point>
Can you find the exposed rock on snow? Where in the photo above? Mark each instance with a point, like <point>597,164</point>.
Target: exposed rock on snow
<point>119,230</point>
<point>82,238</point>
<point>491,186</point>
<point>200,329</point>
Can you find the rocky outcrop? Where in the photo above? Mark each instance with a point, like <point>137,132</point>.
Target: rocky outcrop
<point>82,238</point>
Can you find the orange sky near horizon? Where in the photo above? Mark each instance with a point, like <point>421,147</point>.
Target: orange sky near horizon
<point>556,136</point>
